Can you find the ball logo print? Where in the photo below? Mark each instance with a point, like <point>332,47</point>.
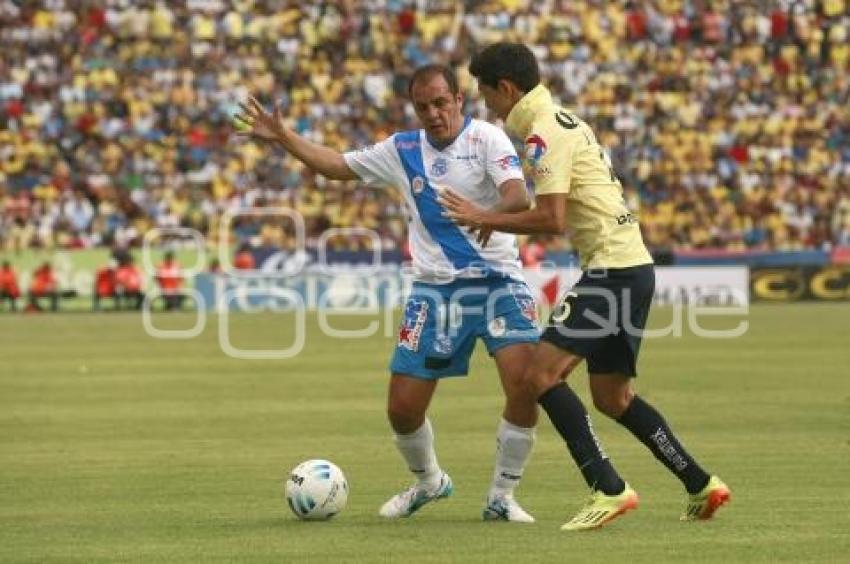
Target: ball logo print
<point>316,490</point>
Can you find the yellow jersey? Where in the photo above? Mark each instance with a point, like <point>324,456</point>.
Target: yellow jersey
<point>564,157</point>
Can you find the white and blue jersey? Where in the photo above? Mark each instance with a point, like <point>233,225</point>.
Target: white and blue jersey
<point>479,160</point>
<point>462,291</point>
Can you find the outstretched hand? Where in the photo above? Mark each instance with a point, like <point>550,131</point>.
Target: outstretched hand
<point>465,213</point>
<point>255,121</point>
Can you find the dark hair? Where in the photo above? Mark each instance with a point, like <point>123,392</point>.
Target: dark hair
<point>506,61</point>
<point>428,71</point>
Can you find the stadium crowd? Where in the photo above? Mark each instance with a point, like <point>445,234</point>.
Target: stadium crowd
<point>727,121</point>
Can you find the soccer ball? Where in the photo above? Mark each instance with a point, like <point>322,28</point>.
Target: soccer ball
<point>316,490</point>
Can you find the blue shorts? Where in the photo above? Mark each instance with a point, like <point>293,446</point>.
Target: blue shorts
<point>442,321</point>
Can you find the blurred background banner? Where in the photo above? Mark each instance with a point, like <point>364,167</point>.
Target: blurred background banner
<point>728,124</point>
<point>342,287</point>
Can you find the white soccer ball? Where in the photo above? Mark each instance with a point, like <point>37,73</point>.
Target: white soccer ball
<point>316,490</point>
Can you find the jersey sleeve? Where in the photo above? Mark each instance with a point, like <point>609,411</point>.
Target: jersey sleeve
<point>503,163</point>
<point>549,156</point>
<point>376,165</point>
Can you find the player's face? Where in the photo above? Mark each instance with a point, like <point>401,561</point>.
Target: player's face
<point>496,100</point>
<point>437,108</point>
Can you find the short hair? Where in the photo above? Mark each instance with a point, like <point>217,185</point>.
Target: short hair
<point>506,61</point>
<point>428,71</point>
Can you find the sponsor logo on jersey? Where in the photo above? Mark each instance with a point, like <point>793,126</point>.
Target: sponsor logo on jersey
<point>406,145</point>
<point>527,307</point>
<point>541,171</point>
<point>535,149</point>
<point>417,185</point>
<point>415,316</point>
<point>508,162</point>
<point>439,167</point>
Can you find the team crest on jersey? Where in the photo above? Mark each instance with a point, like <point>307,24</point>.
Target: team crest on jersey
<point>439,167</point>
<point>498,327</point>
<point>508,162</point>
<point>535,149</point>
<point>417,185</point>
<point>415,316</point>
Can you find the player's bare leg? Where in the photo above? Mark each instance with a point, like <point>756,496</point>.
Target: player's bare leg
<point>407,402</point>
<point>515,435</point>
<point>409,398</point>
<point>614,396</point>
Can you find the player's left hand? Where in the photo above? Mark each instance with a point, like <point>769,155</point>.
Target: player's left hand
<point>255,121</point>
<point>482,235</point>
<point>463,212</point>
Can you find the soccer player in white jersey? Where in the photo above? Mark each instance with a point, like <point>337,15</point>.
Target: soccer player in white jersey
<point>463,289</point>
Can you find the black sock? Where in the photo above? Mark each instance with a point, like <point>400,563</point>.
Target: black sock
<point>649,427</point>
<point>570,418</point>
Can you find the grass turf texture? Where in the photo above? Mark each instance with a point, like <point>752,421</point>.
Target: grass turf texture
<point>118,447</point>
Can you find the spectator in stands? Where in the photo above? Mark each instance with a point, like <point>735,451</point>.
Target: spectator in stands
<point>705,107</point>
<point>169,277</point>
<point>9,290</point>
<point>104,286</point>
<point>43,285</point>
<point>244,259</point>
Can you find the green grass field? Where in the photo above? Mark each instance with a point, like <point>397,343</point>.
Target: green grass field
<point>118,447</point>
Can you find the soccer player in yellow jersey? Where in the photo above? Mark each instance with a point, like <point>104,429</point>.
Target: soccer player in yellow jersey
<point>602,318</point>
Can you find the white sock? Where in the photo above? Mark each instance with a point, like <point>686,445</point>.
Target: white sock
<point>417,448</point>
<point>513,445</point>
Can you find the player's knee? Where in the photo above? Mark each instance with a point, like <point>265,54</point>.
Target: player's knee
<point>403,416</point>
<point>537,382</point>
<point>516,390</point>
<point>613,404</point>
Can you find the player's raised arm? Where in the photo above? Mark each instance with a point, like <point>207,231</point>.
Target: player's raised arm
<point>269,126</point>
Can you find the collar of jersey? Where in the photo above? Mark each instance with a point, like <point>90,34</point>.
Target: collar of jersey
<point>441,146</point>
<point>522,115</point>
